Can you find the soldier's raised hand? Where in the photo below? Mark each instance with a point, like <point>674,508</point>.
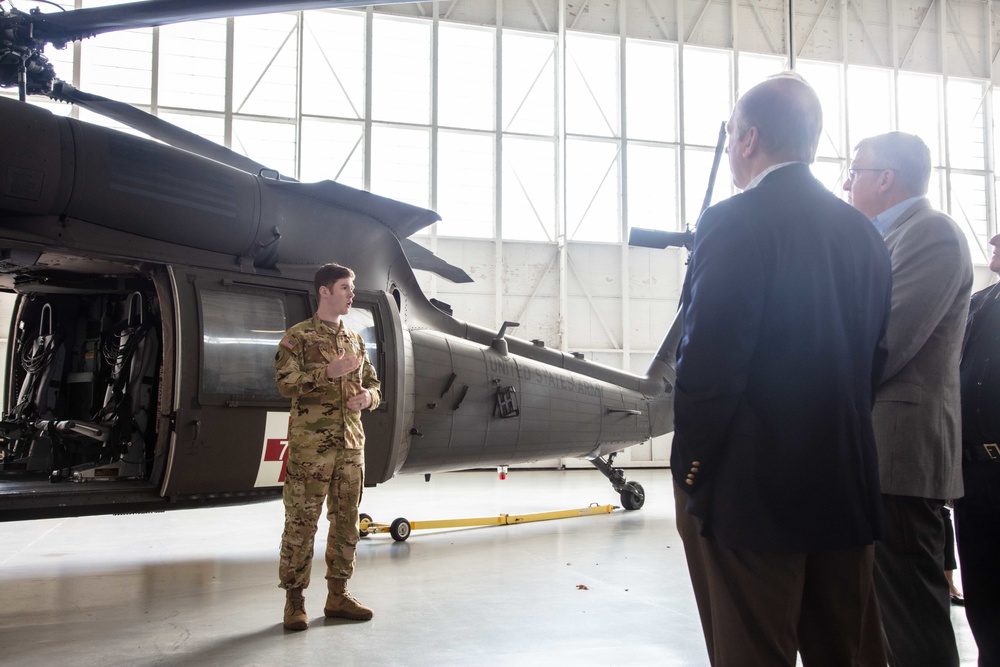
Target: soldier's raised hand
<point>342,365</point>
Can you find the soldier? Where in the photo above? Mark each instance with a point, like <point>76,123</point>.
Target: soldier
<point>322,366</point>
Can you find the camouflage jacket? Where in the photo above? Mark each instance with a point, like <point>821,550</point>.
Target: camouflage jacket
<point>319,419</point>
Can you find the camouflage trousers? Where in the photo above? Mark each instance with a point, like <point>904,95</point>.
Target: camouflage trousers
<point>307,484</point>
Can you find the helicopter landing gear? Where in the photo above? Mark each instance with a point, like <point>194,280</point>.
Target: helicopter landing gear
<point>632,495</point>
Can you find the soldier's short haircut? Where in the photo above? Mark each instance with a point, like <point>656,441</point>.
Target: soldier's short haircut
<point>905,154</point>
<point>328,274</point>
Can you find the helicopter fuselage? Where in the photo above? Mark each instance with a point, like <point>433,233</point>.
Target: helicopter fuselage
<point>153,286</point>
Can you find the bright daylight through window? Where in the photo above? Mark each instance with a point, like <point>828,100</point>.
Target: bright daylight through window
<point>512,134</point>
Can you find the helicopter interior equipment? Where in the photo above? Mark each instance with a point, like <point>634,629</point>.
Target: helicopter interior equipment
<point>153,285</point>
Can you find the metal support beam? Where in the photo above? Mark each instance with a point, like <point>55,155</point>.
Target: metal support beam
<point>920,27</point>
<point>580,12</point>
<point>809,34</point>
<point>963,43</point>
<point>656,18</point>
<point>869,39</point>
<point>764,27</point>
<point>701,15</point>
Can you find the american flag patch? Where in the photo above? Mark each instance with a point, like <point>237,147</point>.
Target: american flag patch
<point>288,342</point>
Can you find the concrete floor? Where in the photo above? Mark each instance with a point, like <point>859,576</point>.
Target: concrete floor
<point>198,587</point>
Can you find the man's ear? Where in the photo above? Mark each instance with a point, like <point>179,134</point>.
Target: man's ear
<point>886,180</point>
<point>752,137</point>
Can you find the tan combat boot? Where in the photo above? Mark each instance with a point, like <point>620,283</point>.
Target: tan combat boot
<point>295,610</point>
<point>341,604</point>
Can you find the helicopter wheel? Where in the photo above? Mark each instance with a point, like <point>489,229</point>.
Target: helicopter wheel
<point>400,529</point>
<point>633,497</point>
<point>363,522</point>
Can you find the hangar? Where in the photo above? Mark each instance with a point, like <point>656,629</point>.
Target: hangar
<point>542,132</point>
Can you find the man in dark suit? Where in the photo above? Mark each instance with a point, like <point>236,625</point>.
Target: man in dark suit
<point>917,412</point>
<point>785,308</point>
<point>977,514</point>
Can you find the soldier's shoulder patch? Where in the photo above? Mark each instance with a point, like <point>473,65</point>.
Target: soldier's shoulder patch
<point>288,342</point>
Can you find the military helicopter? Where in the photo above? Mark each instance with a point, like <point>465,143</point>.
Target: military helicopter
<point>154,280</point>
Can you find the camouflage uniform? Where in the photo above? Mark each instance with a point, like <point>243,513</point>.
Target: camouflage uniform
<point>326,447</point>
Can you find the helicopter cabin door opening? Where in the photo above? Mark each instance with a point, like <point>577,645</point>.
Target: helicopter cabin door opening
<point>131,386</point>
<point>83,385</point>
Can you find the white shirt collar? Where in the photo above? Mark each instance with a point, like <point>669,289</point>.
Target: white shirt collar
<point>760,177</point>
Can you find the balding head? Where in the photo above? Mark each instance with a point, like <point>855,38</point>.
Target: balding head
<point>787,114</point>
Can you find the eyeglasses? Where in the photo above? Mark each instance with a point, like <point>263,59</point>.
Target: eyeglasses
<point>853,172</point>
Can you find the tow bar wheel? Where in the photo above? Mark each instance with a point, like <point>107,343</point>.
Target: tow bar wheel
<point>400,529</point>
<point>364,521</point>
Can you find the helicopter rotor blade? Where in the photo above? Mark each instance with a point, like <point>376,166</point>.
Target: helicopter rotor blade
<point>60,28</point>
<point>155,127</point>
<point>720,146</point>
<point>655,238</point>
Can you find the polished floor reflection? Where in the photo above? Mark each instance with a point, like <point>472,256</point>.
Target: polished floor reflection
<point>198,587</point>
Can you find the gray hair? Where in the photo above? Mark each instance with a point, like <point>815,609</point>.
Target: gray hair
<point>905,154</point>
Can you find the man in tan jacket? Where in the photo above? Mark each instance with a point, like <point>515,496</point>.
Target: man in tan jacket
<point>917,413</point>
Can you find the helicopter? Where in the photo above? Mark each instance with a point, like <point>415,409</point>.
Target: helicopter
<point>154,280</point>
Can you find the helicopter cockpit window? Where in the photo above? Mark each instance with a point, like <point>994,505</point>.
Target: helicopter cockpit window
<point>362,321</point>
<point>240,334</point>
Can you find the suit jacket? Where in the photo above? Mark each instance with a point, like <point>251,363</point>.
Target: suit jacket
<point>918,407</point>
<point>785,303</point>
<point>980,374</point>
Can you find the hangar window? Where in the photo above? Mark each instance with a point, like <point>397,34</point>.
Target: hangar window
<point>652,186</point>
<point>466,73</point>
<point>592,190</point>
<point>333,63</point>
<point>529,205</point>
<point>332,150</point>
<point>265,62</point>
<point>466,183</point>
<point>401,159</point>
<point>652,109</point>
<point>192,60</point>
<point>703,112</point>
<point>401,70</point>
<point>592,97</point>
<point>529,79</point>
<point>240,333</point>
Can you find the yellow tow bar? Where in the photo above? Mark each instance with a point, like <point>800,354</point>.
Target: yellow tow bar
<point>400,528</point>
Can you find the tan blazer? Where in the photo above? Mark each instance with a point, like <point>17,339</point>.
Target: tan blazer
<point>917,413</point>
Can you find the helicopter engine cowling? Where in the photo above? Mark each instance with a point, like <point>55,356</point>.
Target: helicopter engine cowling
<point>63,167</point>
